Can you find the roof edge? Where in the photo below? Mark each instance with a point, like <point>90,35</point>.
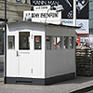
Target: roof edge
<point>46,24</point>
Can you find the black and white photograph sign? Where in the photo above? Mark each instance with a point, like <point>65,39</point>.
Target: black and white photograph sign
<point>82,7</point>
<point>67,13</point>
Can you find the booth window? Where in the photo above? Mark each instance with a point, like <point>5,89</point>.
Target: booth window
<point>18,1</point>
<point>71,42</point>
<point>54,42</point>
<point>58,42</point>
<point>66,42</point>
<point>48,42</point>
<point>24,40</point>
<point>11,42</point>
<point>37,42</point>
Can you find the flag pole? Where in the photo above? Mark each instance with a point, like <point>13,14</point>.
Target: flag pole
<point>74,12</point>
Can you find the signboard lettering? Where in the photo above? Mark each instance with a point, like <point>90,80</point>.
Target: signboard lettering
<point>44,15</point>
<point>45,2</point>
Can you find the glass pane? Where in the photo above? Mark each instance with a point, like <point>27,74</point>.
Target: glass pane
<point>58,42</point>
<point>48,42</point>
<point>37,42</point>
<point>1,42</point>
<point>71,42</point>
<point>54,42</point>
<point>11,42</point>
<point>18,0</point>
<point>65,42</point>
<point>24,42</point>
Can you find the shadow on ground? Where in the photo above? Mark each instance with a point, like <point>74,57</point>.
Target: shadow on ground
<point>77,80</point>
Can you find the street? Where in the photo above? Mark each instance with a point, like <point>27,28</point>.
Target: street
<point>16,88</point>
<point>61,87</point>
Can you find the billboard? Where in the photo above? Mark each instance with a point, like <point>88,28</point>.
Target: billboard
<point>82,11</point>
<point>82,7</point>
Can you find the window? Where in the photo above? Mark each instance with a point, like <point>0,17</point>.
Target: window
<point>90,4</point>
<point>11,42</point>
<point>37,42</point>
<point>71,42</point>
<point>66,42</point>
<point>18,1</point>
<point>59,42</point>
<point>24,40</point>
<point>1,42</point>
<point>54,42</point>
<point>48,42</point>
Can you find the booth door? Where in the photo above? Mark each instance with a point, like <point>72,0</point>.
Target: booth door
<point>30,54</point>
<point>24,54</point>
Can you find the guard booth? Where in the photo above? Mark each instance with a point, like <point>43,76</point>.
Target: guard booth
<point>39,53</point>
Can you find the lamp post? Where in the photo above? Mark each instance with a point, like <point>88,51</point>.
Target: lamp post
<point>58,9</point>
<point>5,44</point>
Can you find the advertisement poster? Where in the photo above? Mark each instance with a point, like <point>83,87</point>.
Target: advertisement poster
<point>82,7</point>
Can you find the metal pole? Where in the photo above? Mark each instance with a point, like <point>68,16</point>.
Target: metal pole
<point>5,42</point>
<point>74,12</point>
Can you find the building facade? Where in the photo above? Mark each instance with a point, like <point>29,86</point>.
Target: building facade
<point>91,16</point>
<point>15,10</point>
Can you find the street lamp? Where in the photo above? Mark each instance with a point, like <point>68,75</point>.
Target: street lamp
<point>58,9</point>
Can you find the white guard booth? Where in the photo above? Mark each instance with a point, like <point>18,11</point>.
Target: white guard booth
<point>39,53</point>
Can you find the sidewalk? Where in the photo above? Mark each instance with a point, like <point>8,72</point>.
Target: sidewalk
<point>78,85</point>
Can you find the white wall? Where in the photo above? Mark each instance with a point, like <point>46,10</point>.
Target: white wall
<point>60,61</point>
<point>37,57</point>
<point>51,63</point>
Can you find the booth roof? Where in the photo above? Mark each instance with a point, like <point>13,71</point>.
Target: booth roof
<point>46,24</point>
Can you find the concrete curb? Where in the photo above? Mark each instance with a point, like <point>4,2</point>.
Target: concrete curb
<point>83,90</point>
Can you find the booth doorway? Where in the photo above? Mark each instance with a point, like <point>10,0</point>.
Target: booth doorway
<point>24,54</point>
<point>24,47</point>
